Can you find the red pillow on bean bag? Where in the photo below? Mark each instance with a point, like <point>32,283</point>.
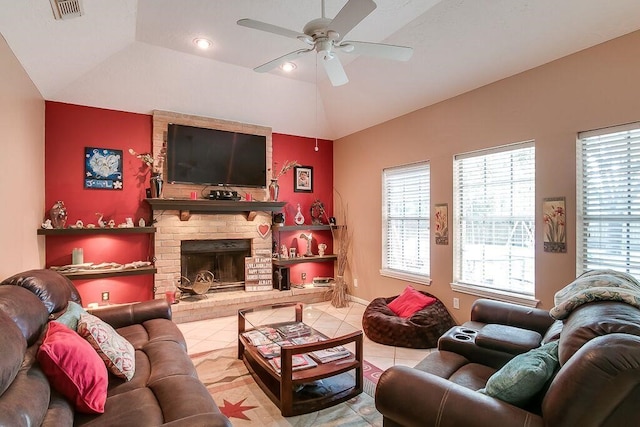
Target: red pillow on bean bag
<point>409,302</point>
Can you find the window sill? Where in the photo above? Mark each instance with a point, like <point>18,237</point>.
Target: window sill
<point>528,301</point>
<point>415,278</point>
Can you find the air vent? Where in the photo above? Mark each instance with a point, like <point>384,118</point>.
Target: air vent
<point>66,9</point>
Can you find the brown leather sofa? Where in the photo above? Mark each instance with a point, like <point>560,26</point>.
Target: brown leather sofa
<point>597,382</point>
<point>165,389</point>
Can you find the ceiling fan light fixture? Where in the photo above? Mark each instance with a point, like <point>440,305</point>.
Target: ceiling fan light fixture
<point>288,67</point>
<point>202,43</point>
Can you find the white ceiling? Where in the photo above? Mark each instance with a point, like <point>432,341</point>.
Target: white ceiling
<point>138,55</point>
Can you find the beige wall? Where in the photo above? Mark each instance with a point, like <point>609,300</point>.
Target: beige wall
<point>21,167</point>
<point>592,89</point>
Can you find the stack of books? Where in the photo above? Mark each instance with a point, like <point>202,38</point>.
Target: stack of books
<point>262,336</point>
<point>269,351</point>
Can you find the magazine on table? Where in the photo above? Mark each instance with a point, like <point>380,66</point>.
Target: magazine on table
<point>298,361</point>
<point>307,340</point>
<point>293,330</point>
<point>330,354</point>
<point>262,336</point>
<point>271,350</point>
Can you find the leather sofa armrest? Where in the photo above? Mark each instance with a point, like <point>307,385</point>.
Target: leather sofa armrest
<point>410,397</point>
<point>210,419</point>
<point>119,316</point>
<point>504,313</point>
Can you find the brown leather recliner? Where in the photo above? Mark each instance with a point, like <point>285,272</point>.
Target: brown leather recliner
<point>165,389</point>
<point>597,384</point>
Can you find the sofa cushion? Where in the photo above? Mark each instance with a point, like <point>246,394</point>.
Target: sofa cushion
<point>409,302</point>
<point>26,311</point>
<point>525,375</point>
<point>509,339</point>
<point>118,353</point>
<point>71,315</point>
<point>74,368</point>
<point>53,289</point>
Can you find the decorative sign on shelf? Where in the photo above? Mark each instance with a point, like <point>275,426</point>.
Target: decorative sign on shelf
<point>258,271</point>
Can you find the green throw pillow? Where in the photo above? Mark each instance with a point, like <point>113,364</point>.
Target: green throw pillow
<point>71,315</point>
<point>524,375</point>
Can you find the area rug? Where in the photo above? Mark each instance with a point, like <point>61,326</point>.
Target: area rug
<point>244,403</point>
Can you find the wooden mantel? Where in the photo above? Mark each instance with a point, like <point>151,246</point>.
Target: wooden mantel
<point>186,206</point>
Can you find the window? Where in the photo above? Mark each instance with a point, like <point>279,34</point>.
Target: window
<point>405,222</point>
<point>494,219</point>
<point>608,199</point>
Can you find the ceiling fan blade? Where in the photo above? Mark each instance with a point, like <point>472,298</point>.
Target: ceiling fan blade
<point>350,15</point>
<point>334,70</point>
<point>278,61</point>
<point>269,28</point>
<point>386,51</point>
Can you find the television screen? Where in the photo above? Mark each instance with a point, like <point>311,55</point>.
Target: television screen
<point>215,157</point>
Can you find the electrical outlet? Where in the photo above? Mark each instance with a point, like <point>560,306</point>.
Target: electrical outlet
<point>456,303</point>
<point>304,276</point>
<point>355,283</point>
<point>105,296</point>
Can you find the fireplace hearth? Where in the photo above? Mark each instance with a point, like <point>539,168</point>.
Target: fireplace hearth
<point>224,258</point>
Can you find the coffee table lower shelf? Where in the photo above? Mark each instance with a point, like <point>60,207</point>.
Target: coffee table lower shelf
<point>309,390</point>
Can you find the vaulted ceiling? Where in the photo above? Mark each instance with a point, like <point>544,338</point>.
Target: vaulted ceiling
<point>138,55</point>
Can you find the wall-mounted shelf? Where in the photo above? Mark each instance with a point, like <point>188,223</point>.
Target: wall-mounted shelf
<point>187,206</point>
<point>299,260</point>
<point>79,275</point>
<point>277,227</point>
<point>97,230</point>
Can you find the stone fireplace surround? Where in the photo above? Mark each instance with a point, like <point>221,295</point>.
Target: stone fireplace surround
<point>172,227</point>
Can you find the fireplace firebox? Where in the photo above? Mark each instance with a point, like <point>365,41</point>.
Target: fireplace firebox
<point>224,258</point>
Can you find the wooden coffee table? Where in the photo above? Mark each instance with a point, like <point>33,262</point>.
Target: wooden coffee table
<point>307,390</point>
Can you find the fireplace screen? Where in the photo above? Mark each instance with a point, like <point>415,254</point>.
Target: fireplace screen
<point>223,258</point>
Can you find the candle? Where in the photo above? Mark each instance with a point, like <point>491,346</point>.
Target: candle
<point>77,256</point>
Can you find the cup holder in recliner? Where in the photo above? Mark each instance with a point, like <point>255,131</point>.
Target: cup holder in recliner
<point>465,334</point>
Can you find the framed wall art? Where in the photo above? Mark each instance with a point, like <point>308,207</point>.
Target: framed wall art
<point>102,168</point>
<point>555,226</point>
<point>441,223</point>
<point>303,179</point>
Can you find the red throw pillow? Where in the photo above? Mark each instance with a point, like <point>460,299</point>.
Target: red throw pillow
<point>409,302</point>
<point>74,368</point>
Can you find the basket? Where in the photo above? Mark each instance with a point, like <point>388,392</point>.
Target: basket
<point>200,286</point>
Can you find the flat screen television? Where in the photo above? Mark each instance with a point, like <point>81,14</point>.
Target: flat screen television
<point>215,157</point>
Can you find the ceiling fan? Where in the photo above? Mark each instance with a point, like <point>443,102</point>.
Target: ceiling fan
<point>325,36</point>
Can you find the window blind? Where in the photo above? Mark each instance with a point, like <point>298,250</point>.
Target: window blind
<point>494,218</point>
<point>608,199</point>
<point>405,219</point>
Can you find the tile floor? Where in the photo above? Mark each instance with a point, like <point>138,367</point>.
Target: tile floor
<point>212,334</point>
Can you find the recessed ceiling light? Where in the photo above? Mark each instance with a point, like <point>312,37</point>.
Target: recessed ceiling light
<point>202,43</point>
<point>288,67</point>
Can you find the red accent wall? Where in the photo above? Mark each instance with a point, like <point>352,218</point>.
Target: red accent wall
<point>70,128</point>
<point>287,148</point>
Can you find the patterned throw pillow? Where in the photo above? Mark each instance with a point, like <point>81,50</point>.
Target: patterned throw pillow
<point>118,353</point>
<point>73,368</point>
<point>71,315</point>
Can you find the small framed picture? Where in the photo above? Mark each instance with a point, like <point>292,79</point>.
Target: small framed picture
<point>442,224</point>
<point>555,225</point>
<point>303,179</point>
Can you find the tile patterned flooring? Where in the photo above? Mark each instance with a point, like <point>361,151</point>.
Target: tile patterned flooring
<point>212,334</point>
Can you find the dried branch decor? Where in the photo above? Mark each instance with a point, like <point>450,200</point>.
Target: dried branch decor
<point>339,292</point>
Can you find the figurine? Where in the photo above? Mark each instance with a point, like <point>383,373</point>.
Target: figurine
<point>308,237</point>
<point>299,218</point>
<point>101,223</point>
<point>142,222</point>
<point>47,225</point>
<point>284,253</point>
<point>129,222</point>
<point>321,248</point>
<point>317,212</point>
<point>111,223</point>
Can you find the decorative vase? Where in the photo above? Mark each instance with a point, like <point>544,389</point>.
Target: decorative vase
<point>299,218</point>
<point>156,185</point>
<point>58,215</point>
<point>274,189</point>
